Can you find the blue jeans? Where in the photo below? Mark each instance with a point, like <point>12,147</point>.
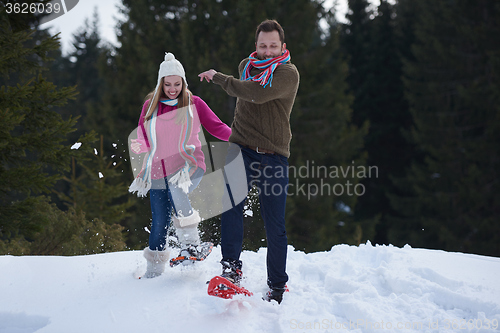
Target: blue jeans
<point>164,197</point>
<point>270,174</point>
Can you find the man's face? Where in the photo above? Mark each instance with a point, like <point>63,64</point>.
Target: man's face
<point>269,45</point>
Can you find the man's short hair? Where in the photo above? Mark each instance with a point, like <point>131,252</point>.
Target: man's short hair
<point>269,26</point>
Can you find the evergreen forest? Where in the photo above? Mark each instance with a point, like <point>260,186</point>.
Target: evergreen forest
<point>396,125</point>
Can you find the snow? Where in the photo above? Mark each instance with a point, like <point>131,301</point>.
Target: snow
<point>76,145</point>
<point>362,288</point>
<point>247,211</point>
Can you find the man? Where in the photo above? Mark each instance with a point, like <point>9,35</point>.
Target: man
<point>261,129</point>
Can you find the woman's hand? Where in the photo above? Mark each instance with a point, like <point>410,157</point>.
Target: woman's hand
<point>135,146</point>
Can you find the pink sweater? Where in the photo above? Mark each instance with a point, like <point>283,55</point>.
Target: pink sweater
<point>167,159</point>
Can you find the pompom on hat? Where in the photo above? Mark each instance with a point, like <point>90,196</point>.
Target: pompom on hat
<point>171,66</point>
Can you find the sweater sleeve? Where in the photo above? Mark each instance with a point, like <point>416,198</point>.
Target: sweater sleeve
<point>142,137</point>
<point>210,121</point>
<point>284,80</point>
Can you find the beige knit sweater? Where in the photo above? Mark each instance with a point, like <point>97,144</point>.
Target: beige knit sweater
<point>262,115</point>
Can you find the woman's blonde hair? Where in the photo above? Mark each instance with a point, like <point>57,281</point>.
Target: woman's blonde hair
<point>184,99</point>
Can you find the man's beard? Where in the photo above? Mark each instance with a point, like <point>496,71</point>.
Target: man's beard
<point>264,57</point>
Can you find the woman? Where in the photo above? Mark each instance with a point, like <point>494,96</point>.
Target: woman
<point>174,164</point>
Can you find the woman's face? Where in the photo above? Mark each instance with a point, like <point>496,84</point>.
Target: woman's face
<point>172,86</point>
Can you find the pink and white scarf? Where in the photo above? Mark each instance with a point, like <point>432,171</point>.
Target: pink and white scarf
<point>142,183</point>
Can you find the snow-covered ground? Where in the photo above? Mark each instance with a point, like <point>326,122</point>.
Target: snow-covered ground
<point>347,289</point>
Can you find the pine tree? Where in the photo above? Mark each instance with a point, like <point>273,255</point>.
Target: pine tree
<point>373,47</point>
<point>324,137</point>
<point>452,87</point>
<point>33,151</point>
<point>65,233</point>
<point>83,71</point>
<point>105,198</point>
<point>95,183</point>
<point>99,189</point>
<point>356,43</point>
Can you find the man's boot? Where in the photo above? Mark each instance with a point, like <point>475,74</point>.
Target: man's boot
<point>231,270</point>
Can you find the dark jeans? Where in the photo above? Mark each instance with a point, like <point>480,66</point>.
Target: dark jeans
<point>270,174</point>
<point>164,197</point>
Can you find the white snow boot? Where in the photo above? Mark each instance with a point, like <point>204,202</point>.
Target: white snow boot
<point>186,228</point>
<point>192,249</point>
<point>156,262</point>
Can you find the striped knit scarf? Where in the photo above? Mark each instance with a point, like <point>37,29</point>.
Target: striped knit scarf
<point>142,183</point>
<point>182,178</point>
<point>267,66</point>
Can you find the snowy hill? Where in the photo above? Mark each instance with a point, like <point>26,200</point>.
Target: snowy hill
<point>347,289</point>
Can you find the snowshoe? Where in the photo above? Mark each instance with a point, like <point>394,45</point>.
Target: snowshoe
<point>221,287</point>
<point>192,254</point>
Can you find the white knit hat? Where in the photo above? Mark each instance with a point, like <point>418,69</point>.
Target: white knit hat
<point>171,66</point>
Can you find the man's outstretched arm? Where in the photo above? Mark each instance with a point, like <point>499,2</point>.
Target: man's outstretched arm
<point>285,81</point>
